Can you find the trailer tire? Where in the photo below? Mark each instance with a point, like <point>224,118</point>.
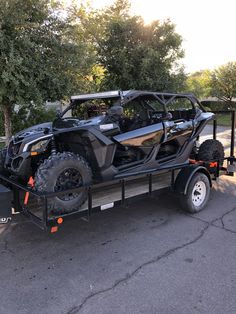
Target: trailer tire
<point>211,150</point>
<point>197,194</point>
<point>60,172</point>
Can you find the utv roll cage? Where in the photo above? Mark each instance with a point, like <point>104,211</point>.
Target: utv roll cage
<point>125,96</point>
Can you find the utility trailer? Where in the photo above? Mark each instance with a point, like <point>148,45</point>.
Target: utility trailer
<point>182,179</point>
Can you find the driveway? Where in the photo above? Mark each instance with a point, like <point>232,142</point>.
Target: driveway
<point>223,135</point>
<point>148,258</point>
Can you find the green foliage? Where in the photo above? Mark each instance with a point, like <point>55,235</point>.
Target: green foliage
<point>94,23</point>
<point>133,55</point>
<point>223,119</point>
<point>31,115</point>
<point>199,83</point>
<point>28,116</point>
<point>137,56</point>
<point>219,83</point>
<point>224,83</point>
<point>39,53</point>
<point>49,52</point>
<point>215,105</point>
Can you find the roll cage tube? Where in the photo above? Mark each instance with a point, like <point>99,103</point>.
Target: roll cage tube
<point>163,98</point>
<point>67,109</point>
<point>80,102</point>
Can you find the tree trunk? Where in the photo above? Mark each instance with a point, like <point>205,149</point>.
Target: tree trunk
<point>7,122</point>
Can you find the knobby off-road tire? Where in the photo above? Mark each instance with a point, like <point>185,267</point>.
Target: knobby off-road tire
<point>197,195</point>
<point>211,150</point>
<point>60,172</point>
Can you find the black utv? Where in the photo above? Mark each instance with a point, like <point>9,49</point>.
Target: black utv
<point>117,135</point>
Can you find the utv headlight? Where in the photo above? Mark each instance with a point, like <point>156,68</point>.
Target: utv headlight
<point>39,147</point>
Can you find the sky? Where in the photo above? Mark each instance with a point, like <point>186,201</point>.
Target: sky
<point>208,27</point>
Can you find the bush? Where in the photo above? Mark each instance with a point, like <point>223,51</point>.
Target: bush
<point>216,105</point>
<point>27,116</point>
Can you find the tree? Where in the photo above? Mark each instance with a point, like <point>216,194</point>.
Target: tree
<point>224,83</point>
<point>41,54</point>
<point>94,22</point>
<point>142,57</point>
<point>199,83</point>
<point>133,55</point>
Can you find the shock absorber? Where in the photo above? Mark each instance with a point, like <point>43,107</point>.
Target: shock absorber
<point>53,146</point>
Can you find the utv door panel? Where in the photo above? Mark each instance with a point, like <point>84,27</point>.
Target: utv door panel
<point>147,136</point>
<point>179,128</point>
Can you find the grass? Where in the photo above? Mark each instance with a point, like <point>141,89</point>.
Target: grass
<point>2,145</point>
<point>223,119</point>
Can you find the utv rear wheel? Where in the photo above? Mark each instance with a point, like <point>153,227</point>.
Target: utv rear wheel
<point>197,195</point>
<point>211,150</point>
<point>60,172</point>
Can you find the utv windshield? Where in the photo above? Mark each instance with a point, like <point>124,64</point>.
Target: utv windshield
<point>88,105</point>
<point>93,107</point>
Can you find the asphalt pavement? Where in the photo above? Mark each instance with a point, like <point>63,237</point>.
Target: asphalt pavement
<point>150,257</point>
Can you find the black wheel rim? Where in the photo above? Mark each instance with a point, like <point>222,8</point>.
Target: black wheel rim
<point>68,179</point>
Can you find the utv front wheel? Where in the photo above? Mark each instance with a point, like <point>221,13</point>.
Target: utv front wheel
<point>60,172</point>
<point>197,195</point>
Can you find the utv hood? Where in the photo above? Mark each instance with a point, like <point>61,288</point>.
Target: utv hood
<point>47,128</point>
<point>70,123</point>
<point>39,129</point>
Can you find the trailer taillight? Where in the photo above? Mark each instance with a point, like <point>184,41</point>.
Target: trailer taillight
<point>60,221</point>
<point>213,164</point>
<point>54,229</point>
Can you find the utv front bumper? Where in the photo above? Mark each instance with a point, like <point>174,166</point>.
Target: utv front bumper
<point>19,165</point>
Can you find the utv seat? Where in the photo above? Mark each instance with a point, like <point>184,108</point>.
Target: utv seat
<point>184,114</point>
<point>113,116</point>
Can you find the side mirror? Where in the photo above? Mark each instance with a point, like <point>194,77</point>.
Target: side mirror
<point>169,116</point>
<point>58,113</point>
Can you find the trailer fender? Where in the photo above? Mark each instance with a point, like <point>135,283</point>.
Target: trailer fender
<point>185,175</point>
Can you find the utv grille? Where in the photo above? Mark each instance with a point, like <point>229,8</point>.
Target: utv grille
<point>13,149</point>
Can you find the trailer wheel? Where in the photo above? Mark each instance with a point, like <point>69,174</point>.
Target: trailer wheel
<point>60,172</point>
<point>211,150</point>
<point>197,194</point>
